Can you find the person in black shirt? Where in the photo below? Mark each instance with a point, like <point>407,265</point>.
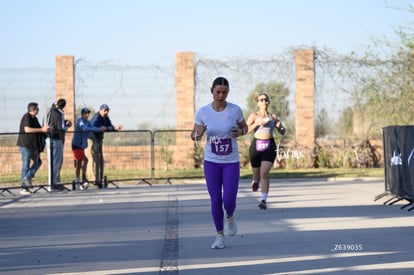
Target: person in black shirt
<point>58,127</point>
<point>31,143</point>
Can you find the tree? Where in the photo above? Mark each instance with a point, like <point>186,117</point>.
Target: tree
<point>323,125</point>
<point>345,126</point>
<point>386,97</point>
<point>277,93</point>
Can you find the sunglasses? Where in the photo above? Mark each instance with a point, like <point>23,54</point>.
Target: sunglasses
<point>264,100</point>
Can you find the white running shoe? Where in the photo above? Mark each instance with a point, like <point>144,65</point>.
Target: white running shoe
<point>84,186</point>
<point>25,191</point>
<point>219,242</point>
<point>231,226</point>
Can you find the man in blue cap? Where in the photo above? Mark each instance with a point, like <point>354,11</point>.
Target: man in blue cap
<point>83,128</point>
<point>100,119</point>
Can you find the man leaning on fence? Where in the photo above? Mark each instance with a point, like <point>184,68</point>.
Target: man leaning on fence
<point>83,128</point>
<point>100,119</point>
<point>31,143</point>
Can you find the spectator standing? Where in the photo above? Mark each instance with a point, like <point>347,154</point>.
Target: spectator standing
<point>222,122</point>
<point>30,142</point>
<point>262,151</point>
<point>58,127</point>
<point>100,119</point>
<point>83,128</point>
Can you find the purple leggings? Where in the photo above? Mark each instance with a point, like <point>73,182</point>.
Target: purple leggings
<point>222,176</point>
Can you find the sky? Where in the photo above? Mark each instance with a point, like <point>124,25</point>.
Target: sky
<point>33,32</point>
<point>151,32</point>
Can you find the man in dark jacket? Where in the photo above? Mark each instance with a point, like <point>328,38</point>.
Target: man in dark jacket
<point>100,119</point>
<point>31,143</point>
<point>56,139</point>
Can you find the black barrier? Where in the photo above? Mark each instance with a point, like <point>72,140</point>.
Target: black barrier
<point>399,163</point>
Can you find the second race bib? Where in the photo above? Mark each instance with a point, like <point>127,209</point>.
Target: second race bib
<point>262,144</point>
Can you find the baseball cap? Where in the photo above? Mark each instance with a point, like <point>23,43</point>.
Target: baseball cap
<point>104,106</point>
<point>85,110</point>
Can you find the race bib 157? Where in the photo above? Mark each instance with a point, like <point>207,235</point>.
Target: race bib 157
<point>222,146</point>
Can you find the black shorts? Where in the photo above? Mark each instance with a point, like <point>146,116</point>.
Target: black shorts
<point>256,157</point>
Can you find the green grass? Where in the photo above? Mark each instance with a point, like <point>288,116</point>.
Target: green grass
<point>67,175</point>
<point>328,173</point>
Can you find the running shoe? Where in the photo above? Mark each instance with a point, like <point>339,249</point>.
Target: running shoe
<point>219,242</point>
<point>255,186</point>
<point>262,205</point>
<point>25,191</point>
<point>84,186</point>
<point>231,226</point>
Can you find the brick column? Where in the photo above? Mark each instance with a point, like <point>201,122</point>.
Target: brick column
<point>65,88</point>
<point>65,84</point>
<point>185,90</point>
<point>305,104</point>
<point>185,105</point>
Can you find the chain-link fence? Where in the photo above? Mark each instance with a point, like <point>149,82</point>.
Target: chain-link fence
<point>142,97</point>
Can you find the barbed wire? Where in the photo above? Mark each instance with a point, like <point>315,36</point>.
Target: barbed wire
<point>143,96</point>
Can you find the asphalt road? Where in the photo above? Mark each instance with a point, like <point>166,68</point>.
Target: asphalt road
<point>313,226</point>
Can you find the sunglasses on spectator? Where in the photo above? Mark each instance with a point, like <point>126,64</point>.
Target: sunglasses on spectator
<point>264,99</point>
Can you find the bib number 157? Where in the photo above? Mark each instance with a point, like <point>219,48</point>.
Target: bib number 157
<point>222,148</point>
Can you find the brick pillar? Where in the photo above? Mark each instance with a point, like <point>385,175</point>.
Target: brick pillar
<point>185,90</point>
<point>65,84</point>
<point>185,105</point>
<point>305,104</point>
<point>65,88</point>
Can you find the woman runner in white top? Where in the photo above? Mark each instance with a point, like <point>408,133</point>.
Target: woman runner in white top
<point>222,122</point>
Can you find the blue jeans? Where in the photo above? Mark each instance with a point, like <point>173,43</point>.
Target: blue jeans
<point>27,170</point>
<point>55,159</point>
